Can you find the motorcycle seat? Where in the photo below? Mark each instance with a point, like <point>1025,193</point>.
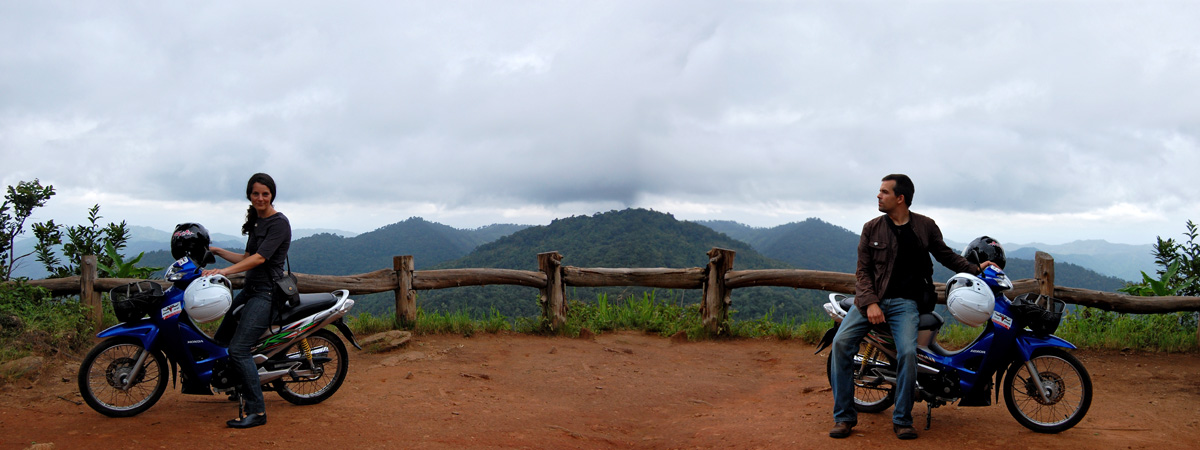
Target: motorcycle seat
<point>927,321</point>
<point>930,321</point>
<point>309,304</point>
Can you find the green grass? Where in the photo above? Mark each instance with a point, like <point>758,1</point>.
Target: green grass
<point>1087,328</point>
<point>646,313</point>
<point>432,323</point>
<point>33,322</point>
<point>1094,328</point>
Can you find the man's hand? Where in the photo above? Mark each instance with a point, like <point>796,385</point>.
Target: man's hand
<point>875,314</point>
<point>985,264</point>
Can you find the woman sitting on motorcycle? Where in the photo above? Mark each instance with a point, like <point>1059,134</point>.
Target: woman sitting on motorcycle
<point>269,236</point>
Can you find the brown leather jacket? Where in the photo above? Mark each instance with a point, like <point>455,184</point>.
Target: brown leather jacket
<point>877,248</point>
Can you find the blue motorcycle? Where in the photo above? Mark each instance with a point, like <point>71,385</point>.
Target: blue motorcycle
<point>1045,387</point>
<point>127,372</point>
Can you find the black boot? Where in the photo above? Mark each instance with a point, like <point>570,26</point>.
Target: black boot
<point>246,420</point>
<point>250,421</point>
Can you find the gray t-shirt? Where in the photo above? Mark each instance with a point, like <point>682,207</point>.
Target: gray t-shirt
<point>271,238</point>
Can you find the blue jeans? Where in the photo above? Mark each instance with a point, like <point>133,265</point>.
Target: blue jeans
<point>901,315</point>
<point>253,322</point>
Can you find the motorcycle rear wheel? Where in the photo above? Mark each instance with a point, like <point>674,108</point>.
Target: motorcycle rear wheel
<point>329,374</point>
<point>868,397</point>
<point>105,369</point>
<point>1068,386</point>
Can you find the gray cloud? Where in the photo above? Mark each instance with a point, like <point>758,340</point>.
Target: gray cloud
<point>465,110</point>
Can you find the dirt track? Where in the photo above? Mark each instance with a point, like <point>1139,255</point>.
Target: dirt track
<point>620,390</point>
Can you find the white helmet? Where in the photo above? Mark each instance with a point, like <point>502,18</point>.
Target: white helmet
<point>969,299</point>
<point>207,298</point>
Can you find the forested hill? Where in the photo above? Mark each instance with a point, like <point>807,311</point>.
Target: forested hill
<point>812,244</point>
<point>627,238</point>
<point>430,244</point>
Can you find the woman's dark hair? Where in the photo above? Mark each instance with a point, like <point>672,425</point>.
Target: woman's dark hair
<point>904,186</point>
<point>252,214</point>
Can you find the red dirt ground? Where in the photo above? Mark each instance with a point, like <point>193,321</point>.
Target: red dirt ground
<point>619,390</point>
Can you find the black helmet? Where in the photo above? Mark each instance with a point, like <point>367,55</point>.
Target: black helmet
<point>191,240</point>
<point>984,248</point>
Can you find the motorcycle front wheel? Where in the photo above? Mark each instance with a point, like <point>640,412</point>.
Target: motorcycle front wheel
<point>871,394</point>
<point>316,382</point>
<point>107,369</point>
<point>1066,383</point>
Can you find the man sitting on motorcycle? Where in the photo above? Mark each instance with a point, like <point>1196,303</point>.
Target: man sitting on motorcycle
<point>893,285</point>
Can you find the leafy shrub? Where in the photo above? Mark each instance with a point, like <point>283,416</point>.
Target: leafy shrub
<point>34,322</point>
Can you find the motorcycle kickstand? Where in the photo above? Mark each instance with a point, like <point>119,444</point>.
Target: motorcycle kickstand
<point>928,416</point>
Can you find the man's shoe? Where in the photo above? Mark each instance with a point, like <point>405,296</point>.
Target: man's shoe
<point>905,432</point>
<point>250,421</point>
<point>841,430</point>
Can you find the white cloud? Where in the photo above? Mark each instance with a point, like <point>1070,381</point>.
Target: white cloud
<point>1011,95</point>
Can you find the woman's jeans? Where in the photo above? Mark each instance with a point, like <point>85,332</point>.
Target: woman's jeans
<point>253,322</point>
<point>901,315</point>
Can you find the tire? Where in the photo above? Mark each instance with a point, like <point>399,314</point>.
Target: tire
<point>329,374</point>
<point>1069,386</point>
<point>868,398</point>
<point>104,370</point>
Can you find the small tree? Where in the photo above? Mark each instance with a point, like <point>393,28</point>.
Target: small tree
<point>1180,273</point>
<point>120,268</point>
<point>92,239</point>
<point>19,203</point>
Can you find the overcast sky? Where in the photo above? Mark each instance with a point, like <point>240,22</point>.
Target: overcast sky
<point>1033,121</point>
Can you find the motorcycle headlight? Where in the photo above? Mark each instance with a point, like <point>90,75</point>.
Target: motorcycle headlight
<point>173,274</point>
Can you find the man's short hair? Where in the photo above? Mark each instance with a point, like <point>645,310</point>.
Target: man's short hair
<point>904,186</point>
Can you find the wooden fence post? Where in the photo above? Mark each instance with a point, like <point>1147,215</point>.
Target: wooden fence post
<point>406,299</point>
<point>1043,271</point>
<point>87,291</point>
<point>554,305</point>
<point>714,311</point>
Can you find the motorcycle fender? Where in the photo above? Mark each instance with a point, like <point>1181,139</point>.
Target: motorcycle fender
<point>143,331</point>
<point>1028,344</point>
<point>341,326</point>
<point>826,340</point>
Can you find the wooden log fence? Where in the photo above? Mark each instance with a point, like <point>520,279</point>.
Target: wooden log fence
<point>717,281</point>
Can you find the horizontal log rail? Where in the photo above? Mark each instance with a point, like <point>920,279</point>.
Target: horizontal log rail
<point>424,280</point>
<point>653,278</point>
<point>403,279</point>
<point>793,278</point>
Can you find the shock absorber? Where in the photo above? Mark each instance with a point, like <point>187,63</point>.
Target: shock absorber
<point>869,358</point>
<point>307,349</point>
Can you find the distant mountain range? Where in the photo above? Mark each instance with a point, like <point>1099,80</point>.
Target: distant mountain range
<point>812,244</point>
<point>814,237</point>
<point>1119,260</point>
<point>148,240</point>
<point>627,238</point>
